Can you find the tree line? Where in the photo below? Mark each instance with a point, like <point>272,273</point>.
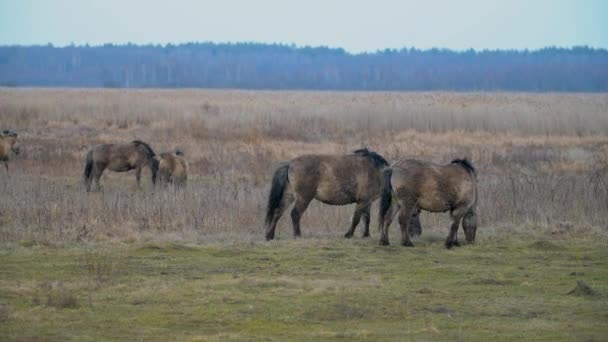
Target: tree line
<point>278,66</point>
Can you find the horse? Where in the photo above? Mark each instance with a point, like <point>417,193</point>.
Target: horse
<point>414,185</point>
<point>172,168</point>
<point>8,143</point>
<point>331,179</point>
<point>119,158</point>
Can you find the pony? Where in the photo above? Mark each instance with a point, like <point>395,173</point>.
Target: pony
<point>172,168</point>
<point>413,185</point>
<point>8,143</point>
<point>331,179</point>
<point>119,158</point>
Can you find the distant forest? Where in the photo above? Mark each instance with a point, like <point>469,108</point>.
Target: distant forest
<point>273,66</point>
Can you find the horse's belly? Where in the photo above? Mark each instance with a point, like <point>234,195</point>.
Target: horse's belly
<point>120,167</point>
<point>332,197</point>
<point>433,205</point>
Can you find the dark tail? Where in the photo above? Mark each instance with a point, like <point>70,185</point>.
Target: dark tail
<point>387,194</point>
<point>88,166</point>
<point>279,181</point>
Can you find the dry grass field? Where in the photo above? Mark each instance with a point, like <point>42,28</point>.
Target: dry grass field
<point>543,188</point>
<point>542,158</point>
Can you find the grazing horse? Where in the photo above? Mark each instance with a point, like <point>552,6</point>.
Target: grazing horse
<point>8,143</point>
<point>119,158</point>
<point>413,185</point>
<point>172,168</point>
<point>331,179</point>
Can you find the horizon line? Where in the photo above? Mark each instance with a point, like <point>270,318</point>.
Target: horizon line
<point>299,47</point>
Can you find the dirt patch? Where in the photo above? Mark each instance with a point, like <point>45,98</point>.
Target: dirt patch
<point>583,290</point>
<point>491,281</point>
<point>545,246</point>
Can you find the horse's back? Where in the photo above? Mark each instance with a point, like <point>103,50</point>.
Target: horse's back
<point>432,187</point>
<point>334,179</point>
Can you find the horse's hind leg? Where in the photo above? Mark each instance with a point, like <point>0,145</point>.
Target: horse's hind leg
<point>415,229</point>
<point>285,203</point>
<point>452,239</point>
<point>386,222</point>
<point>97,172</point>
<point>296,214</point>
<point>360,210</point>
<point>405,218</point>
<point>6,167</point>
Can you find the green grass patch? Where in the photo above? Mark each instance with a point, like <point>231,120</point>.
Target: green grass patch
<point>309,289</point>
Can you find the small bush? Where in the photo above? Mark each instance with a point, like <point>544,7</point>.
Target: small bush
<point>62,298</point>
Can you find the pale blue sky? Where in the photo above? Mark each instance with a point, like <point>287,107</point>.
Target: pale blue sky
<point>354,25</point>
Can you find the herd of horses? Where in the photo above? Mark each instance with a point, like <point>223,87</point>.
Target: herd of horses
<point>404,188</point>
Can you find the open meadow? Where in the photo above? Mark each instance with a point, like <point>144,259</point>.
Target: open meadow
<point>158,263</point>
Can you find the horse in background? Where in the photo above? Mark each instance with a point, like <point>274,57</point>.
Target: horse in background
<point>119,158</point>
<point>414,185</point>
<point>172,168</point>
<point>8,144</point>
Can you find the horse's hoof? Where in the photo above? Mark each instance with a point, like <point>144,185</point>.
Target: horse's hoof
<point>449,244</point>
<point>384,243</point>
<point>456,243</point>
<point>269,237</point>
<point>348,235</point>
<point>365,236</point>
<point>407,244</point>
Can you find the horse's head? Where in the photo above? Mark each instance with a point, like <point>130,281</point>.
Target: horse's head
<point>469,224</point>
<point>11,138</point>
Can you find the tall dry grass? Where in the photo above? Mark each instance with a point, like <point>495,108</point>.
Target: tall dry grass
<point>542,158</point>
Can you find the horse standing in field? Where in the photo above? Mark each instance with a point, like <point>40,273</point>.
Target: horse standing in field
<point>8,143</point>
<point>172,168</point>
<point>332,179</point>
<point>413,185</point>
<point>119,158</point>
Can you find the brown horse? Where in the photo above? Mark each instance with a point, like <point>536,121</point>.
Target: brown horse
<point>119,158</point>
<point>331,179</point>
<point>8,143</point>
<point>413,185</point>
<point>172,168</point>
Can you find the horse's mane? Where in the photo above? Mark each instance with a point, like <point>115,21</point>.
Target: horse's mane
<point>466,164</point>
<point>375,157</point>
<point>149,150</point>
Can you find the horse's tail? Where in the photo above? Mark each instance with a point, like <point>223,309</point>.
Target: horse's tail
<point>279,182</point>
<point>387,195</point>
<point>88,166</point>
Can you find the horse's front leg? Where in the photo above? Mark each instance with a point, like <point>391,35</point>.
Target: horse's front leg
<point>366,220</point>
<point>138,176</point>
<point>359,210</point>
<point>451,240</point>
